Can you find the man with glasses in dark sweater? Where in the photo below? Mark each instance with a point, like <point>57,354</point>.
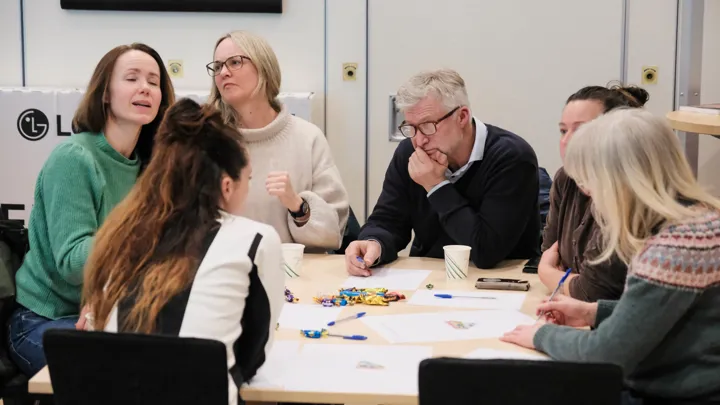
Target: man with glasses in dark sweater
<point>454,181</point>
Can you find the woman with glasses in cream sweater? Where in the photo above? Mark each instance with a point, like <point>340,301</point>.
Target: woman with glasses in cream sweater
<point>298,189</point>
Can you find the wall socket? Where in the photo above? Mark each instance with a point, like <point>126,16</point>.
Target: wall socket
<point>175,68</point>
<point>649,74</point>
<point>350,71</point>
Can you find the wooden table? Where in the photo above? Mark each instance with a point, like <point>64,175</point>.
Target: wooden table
<point>326,273</point>
<point>693,124</point>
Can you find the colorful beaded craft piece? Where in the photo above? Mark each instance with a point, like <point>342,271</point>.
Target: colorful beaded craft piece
<point>352,296</point>
<point>313,334</point>
<point>289,297</point>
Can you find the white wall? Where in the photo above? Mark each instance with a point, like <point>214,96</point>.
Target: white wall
<point>709,157</point>
<point>313,38</point>
<point>63,46</point>
<point>346,99</point>
<point>10,50</point>
<point>651,42</point>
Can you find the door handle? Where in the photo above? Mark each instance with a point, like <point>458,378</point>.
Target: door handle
<point>396,117</point>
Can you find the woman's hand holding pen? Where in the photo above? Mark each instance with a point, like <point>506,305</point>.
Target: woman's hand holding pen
<point>563,310</point>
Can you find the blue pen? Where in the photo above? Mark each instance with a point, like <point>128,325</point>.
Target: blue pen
<point>358,315</point>
<point>360,259</point>
<point>349,337</point>
<point>560,284</point>
<point>463,296</point>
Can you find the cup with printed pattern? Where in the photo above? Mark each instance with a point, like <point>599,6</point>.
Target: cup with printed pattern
<point>457,260</point>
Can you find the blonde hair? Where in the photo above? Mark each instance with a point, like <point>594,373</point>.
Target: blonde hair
<point>632,163</point>
<point>269,77</point>
<point>445,84</point>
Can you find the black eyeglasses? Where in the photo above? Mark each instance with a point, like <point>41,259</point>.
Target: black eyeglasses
<point>427,128</point>
<point>233,63</point>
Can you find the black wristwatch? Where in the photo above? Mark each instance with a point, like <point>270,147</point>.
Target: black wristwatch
<point>304,209</point>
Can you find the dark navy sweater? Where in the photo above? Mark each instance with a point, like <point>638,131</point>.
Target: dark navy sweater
<point>492,208</point>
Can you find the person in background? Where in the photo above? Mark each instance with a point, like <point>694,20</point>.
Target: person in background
<point>665,328</point>
<point>299,190</point>
<point>80,183</point>
<point>572,237</point>
<point>175,258</point>
<point>456,180</point>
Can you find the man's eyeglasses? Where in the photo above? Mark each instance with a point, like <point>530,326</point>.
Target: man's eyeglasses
<point>427,128</point>
<point>233,63</point>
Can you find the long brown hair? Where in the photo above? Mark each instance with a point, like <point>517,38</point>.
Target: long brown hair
<point>150,244</point>
<point>93,112</point>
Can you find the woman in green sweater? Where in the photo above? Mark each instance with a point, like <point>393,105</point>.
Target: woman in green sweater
<point>664,331</point>
<point>80,183</point>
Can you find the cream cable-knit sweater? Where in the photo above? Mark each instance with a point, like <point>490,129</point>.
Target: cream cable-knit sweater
<point>299,147</point>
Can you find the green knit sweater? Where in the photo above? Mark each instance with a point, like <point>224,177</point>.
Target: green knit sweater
<point>79,184</point>
<point>665,330</point>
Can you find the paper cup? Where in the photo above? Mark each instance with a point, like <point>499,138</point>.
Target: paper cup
<point>457,259</point>
<point>293,258</point>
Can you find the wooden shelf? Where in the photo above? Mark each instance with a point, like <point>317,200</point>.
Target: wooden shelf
<point>694,122</point>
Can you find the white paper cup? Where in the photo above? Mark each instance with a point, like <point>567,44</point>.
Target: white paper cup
<point>457,259</point>
<point>293,258</point>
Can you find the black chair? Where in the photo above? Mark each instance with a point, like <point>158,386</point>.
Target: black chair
<point>13,246</point>
<point>107,368</point>
<point>514,382</point>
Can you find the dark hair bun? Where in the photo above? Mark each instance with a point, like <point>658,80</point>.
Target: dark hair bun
<point>638,93</point>
<point>185,120</point>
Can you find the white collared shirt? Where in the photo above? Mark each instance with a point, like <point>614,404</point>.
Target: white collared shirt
<point>476,155</point>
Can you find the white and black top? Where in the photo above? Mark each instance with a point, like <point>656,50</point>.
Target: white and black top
<point>236,298</point>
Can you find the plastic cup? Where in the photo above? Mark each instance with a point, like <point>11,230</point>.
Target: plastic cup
<point>457,259</point>
<point>293,259</point>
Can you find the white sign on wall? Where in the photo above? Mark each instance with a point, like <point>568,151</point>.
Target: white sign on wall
<point>33,121</point>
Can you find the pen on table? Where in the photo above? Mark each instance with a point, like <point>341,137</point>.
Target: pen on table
<point>463,296</point>
<point>358,315</point>
<point>560,284</point>
<point>349,337</point>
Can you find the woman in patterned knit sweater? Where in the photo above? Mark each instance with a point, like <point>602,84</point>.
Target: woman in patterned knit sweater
<point>665,330</point>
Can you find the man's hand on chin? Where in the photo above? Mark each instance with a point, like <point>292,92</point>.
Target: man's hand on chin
<point>425,170</point>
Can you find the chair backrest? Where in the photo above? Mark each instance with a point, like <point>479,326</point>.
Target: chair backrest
<point>514,382</point>
<point>107,368</point>
<point>352,231</point>
<point>544,195</point>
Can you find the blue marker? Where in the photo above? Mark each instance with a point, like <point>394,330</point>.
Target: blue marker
<point>560,284</point>
<point>463,296</point>
<point>358,315</point>
<point>349,337</point>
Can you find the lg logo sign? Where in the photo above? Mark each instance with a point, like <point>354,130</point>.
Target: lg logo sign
<point>33,125</point>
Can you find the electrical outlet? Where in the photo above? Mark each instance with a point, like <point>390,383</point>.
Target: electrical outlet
<point>649,74</point>
<point>175,68</point>
<point>350,71</point>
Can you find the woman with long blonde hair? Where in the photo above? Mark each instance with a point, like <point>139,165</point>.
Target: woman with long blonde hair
<point>176,259</point>
<point>665,328</point>
<point>299,190</point>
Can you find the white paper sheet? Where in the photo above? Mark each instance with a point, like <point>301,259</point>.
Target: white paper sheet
<point>437,327</point>
<point>281,359</point>
<point>334,367</point>
<point>392,279</point>
<point>307,316</point>
<point>504,354</point>
<point>490,300</point>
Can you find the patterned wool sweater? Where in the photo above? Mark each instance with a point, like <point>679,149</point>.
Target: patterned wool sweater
<point>665,329</point>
